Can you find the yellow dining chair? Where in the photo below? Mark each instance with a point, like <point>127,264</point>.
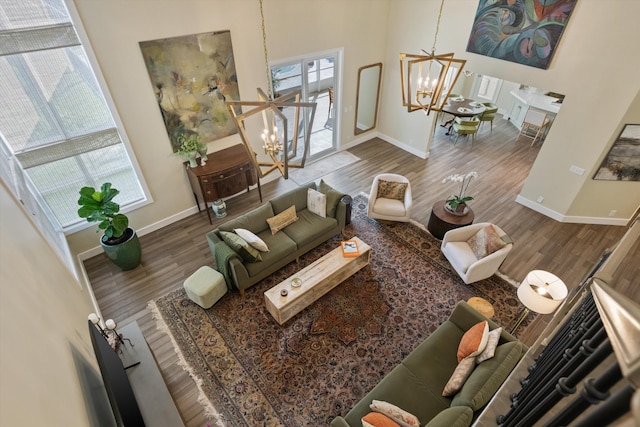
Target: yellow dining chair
<point>466,126</point>
<point>488,114</point>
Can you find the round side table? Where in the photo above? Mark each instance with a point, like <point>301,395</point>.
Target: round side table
<point>483,306</point>
<point>442,221</point>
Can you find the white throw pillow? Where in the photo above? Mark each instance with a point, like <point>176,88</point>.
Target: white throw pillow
<point>252,239</point>
<point>317,202</point>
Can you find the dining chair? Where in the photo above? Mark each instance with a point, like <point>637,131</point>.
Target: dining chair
<point>466,126</point>
<point>488,114</point>
<point>534,121</point>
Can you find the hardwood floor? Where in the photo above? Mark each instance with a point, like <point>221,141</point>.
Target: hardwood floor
<point>173,253</point>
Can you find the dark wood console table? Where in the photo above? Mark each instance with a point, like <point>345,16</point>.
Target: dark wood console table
<point>227,172</point>
<point>442,221</point>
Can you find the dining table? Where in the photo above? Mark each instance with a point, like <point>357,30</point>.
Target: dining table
<point>461,107</point>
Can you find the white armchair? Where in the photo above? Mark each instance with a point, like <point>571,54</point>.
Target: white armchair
<point>390,209</point>
<point>471,269</point>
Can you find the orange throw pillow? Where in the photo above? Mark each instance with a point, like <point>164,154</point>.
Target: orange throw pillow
<point>376,419</point>
<point>473,341</point>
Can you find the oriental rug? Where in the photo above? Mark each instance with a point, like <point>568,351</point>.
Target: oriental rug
<point>254,372</point>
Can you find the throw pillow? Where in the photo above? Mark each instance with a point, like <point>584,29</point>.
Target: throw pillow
<point>485,242</point>
<point>376,419</point>
<point>317,202</point>
<point>284,218</point>
<point>492,343</point>
<point>241,247</point>
<point>459,376</point>
<point>252,239</point>
<point>391,189</point>
<point>473,341</point>
<point>333,197</point>
<point>397,414</point>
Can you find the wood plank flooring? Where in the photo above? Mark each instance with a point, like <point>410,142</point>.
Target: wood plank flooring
<point>173,253</point>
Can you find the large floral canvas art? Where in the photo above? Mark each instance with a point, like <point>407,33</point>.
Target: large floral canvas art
<point>622,163</point>
<point>192,76</point>
<point>522,31</point>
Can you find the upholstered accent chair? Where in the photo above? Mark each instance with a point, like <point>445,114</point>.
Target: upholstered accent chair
<point>390,198</point>
<point>476,256</point>
<point>466,126</point>
<point>488,114</point>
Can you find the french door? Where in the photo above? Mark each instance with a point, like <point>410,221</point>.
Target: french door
<point>317,76</point>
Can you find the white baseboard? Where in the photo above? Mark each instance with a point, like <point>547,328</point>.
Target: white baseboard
<point>405,147</point>
<point>144,230</point>
<point>569,218</point>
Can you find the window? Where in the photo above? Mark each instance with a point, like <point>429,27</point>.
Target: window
<point>53,116</point>
<point>56,129</point>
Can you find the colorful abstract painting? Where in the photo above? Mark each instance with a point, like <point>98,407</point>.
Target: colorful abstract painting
<point>522,31</point>
<point>191,77</point>
<point>623,160</point>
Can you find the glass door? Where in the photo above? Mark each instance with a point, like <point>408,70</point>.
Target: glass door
<point>316,77</point>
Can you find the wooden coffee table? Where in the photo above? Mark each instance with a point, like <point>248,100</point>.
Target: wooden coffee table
<point>316,280</point>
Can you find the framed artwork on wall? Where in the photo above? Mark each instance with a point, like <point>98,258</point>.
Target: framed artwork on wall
<point>191,77</point>
<point>622,163</point>
<point>522,31</point>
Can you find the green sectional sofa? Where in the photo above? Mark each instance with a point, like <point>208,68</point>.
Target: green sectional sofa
<point>416,384</point>
<point>286,245</point>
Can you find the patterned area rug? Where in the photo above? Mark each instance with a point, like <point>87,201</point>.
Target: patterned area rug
<point>254,372</point>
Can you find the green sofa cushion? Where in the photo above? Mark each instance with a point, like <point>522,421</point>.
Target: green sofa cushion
<point>488,376</point>
<point>296,197</point>
<point>457,416</point>
<point>238,244</point>
<point>280,247</point>
<point>401,387</point>
<point>254,221</point>
<point>308,227</point>
<point>333,197</point>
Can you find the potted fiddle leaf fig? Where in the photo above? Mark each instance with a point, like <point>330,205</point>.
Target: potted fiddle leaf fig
<point>119,241</point>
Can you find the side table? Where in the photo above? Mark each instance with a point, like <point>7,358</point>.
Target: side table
<point>483,306</point>
<point>442,221</point>
<point>228,172</point>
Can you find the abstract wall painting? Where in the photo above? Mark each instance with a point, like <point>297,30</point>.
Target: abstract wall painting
<point>522,31</point>
<point>192,76</point>
<point>622,163</point>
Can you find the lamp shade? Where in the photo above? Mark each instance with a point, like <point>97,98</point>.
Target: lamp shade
<point>542,292</point>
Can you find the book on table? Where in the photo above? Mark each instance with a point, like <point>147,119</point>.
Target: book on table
<point>350,248</point>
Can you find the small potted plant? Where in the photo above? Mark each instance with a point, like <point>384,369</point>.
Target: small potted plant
<point>119,241</point>
<point>190,145</point>
<point>457,203</point>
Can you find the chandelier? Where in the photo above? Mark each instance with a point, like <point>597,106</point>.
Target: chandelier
<point>274,121</point>
<point>427,78</point>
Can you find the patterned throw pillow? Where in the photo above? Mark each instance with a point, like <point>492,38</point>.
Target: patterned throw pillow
<point>376,419</point>
<point>241,247</point>
<point>317,202</point>
<point>473,341</point>
<point>492,343</point>
<point>252,239</point>
<point>284,218</point>
<point>398,415</point>
<point>459,376</point>
<point>485,242</point>
<point>391,190</point>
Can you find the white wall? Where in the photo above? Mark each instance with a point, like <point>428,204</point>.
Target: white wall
<point>48,370</point>
<point>372,31</point>
<point>594,66</point>
<point>294,28</point>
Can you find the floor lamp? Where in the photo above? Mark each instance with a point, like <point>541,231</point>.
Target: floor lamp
<point>540,292</point>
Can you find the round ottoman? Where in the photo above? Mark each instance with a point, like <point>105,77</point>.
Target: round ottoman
<point>482,305</point>
<point>205,287</point>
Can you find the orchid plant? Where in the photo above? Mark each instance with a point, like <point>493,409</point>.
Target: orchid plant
<point>456,200</point>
